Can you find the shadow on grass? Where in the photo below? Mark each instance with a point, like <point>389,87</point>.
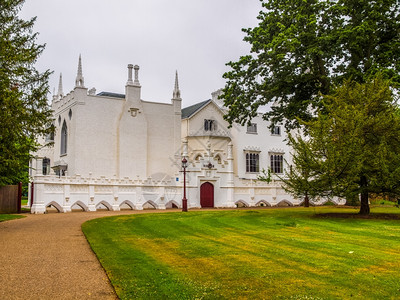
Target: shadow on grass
<point>372,216</point>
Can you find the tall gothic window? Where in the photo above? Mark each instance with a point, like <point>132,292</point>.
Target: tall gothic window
<point>276,163</point>
<point>46,166</point>
<point>64,138</point>
<point>252,162</point>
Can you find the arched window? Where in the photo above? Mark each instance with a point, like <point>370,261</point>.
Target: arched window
<point>210,125</point>
<point>64,139</point>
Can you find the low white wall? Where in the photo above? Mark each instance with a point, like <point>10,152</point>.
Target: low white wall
<point>89,193</point>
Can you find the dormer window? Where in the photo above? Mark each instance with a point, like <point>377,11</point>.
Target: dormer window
<point>210,125</point>
<point>252,128</point>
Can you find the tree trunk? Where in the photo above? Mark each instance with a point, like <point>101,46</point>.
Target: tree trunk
<point>306,201</point>
<point>364,209</point>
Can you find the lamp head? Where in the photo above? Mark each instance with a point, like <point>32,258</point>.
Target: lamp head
<point>184,162</point>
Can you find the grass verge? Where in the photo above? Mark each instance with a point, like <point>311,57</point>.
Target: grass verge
<point>24,200</point>
<point>292,253</point>
<point>6,217</point>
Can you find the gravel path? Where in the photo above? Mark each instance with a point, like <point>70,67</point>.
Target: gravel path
<point>48,257</point>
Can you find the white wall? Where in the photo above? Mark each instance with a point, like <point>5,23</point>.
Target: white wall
<point>263,141</point>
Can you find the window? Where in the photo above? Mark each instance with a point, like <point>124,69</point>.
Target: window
<point>46,166</point>
<point>210,125</point>
<point>70,114</point>
<point>252,128</point>
<point>252,163</point>
<point>276,130</point>
<point>64,139</point>
<point>50,137</point>
<point>276,163</point>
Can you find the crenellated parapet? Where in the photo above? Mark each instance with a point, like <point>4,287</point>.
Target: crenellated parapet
<point>65,102</point>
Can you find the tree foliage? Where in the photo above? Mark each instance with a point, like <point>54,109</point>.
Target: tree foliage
<point>302,48</point>
<point>24,111</point>
<point>351,149</point>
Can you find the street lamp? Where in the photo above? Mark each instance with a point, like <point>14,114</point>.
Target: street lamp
<point>184,200</point>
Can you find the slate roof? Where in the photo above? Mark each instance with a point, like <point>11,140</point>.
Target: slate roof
<point>113,95</point>
<point>190,110</point>
<point>187,112</point>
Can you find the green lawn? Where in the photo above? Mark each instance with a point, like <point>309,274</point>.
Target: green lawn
<point>24,200</point>
<point>250,254</point>
<point>6,217</point>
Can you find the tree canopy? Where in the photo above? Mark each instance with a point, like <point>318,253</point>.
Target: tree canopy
<point>303,48</point>
<point>351,149</point>
<point>24,111</point>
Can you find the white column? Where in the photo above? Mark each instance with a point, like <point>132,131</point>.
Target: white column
<point>230,199</point>
<point>115,205</point>
<point>39,166</point>
<point>38,196</point>
<point>185,148</point>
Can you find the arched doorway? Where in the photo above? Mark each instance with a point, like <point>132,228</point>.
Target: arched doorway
<point>207,195</point>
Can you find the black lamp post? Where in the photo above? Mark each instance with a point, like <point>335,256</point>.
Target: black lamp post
<point>184,200</point>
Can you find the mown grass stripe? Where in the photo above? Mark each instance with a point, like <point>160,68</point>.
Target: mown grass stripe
<point>271,254</point>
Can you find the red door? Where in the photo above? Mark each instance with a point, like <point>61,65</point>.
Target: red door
<point>207,195</point>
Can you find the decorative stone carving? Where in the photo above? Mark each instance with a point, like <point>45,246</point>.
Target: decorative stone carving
<point>134,111</point>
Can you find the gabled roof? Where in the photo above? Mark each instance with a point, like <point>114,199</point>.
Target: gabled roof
<point>113,95</point>
<point>189,111</point>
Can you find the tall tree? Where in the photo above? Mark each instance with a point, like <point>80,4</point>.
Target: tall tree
<point>24,111</point>
<point>301,48</point>
<point>352,148</point>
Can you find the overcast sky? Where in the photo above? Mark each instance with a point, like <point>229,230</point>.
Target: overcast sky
<point>197,38</point>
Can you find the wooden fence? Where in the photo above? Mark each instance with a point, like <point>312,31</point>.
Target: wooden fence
<point>10,199</point>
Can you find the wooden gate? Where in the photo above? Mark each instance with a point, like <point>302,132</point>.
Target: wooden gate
<point>10,198</point>
<point>207,195</point>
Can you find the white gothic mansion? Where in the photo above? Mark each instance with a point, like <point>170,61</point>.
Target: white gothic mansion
<point>118,150</point>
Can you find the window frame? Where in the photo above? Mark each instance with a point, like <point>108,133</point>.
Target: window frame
<point>276,163</point>
<point>252,160</point>
<point>276,130</point>
<point>210,125</point>
<point>250,130</point>
<point>64,139</point>
<point>46,166</point>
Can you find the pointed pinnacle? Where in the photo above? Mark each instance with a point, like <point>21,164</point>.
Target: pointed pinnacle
<point>60,87</point>
<point>177,92</point>
<point>79,82</point>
